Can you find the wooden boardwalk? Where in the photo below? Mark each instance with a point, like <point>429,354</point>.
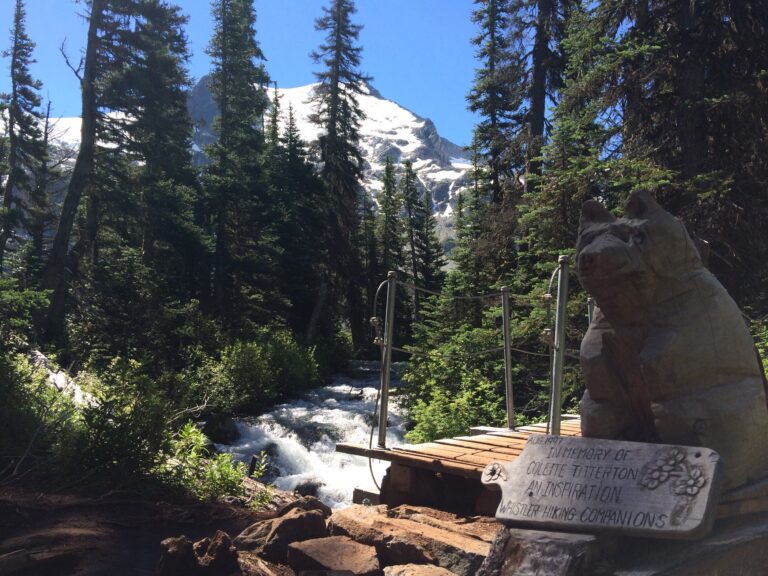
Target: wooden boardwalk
<point>464,456</point>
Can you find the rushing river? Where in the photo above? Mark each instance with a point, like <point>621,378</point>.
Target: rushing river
<point>300,438</point>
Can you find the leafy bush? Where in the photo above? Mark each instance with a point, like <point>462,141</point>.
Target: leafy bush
<point>207,476</point>
<point>448,414</point>
<point>17,307</point>
<point>254,374</point>
<point>37,422</point>
<point>760,333</point>
<point>125,426</point>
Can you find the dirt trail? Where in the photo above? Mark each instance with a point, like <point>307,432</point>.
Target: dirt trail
<point>110,536</point>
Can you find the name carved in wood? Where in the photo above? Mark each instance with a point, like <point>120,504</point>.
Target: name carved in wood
<point>593,485</point>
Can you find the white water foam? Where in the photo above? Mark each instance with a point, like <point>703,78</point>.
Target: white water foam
<point>300,439</point>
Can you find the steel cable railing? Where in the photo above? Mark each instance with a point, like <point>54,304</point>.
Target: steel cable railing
<point>555,340</point>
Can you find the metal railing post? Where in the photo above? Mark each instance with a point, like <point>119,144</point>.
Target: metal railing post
<point>386,357</point>
<point>590,308</point>
<point>507,358</point>
<point>559,347</point>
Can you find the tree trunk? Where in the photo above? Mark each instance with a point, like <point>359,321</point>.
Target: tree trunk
<point>690,90</point>
<point>538,92</point>
<point>56,274</point>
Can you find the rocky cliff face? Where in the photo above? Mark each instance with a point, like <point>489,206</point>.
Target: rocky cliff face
<point>388,130</point>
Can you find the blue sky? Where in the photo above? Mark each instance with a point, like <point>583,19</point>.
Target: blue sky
<point>418,51</point>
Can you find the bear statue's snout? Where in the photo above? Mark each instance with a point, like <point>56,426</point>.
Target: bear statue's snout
<point>606,257</point>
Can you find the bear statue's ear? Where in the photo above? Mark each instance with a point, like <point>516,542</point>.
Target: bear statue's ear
<point>640,205</point>
<point>593,211</point>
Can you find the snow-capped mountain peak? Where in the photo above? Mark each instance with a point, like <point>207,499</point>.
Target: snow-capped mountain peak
<point>388,129</point>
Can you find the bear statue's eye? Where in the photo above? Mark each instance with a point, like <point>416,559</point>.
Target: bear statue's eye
<point>621,231</point>
<point>638,237</point>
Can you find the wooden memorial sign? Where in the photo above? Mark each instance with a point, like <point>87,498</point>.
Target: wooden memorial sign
<point>595,485</point>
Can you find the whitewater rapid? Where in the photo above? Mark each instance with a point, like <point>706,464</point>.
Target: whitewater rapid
<point>300,438</point>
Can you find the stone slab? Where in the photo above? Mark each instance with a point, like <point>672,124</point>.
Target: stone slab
<point>413,535</point>
<point>518,552</point>
<point>335,553</point>
<point>595,485</point>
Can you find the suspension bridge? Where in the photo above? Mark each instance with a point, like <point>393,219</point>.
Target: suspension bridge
<point>445,473</point>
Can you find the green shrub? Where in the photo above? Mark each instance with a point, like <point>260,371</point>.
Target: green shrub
<point>760,333</point>
<point>251,375</point>
<point>446,414</point>
<point>17,307</point>
<point>207,476</point>
<point>125,427</point>
<point>36,420</point>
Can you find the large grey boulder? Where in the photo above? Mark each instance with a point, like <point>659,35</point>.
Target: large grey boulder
<point>270,538</point>
<point>336,553</point>
<point>414,535</point>
<point>667,357</point>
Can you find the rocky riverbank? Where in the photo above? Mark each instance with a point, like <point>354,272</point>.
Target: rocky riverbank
<point>118,534</point>
<point>308,537</point>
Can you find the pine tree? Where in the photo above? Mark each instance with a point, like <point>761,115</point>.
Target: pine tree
<point>338,114</point>
<point>409,193</point>
<point>492,95</point>
<point>242,224</point>
<point>39,217</point>
<point>301,196</point>
<point>390,224</point>
<point>655,95</point>
<point>430,259</point>
<point>425,254</point>
<point>160,137</point>
<point>141,273</point>
<point>25,149</point>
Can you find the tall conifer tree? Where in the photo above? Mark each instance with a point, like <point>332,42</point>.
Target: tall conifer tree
<point>492,94</point>
<point>242,224</point>
<point>338,114</point>
<point>25,149</point>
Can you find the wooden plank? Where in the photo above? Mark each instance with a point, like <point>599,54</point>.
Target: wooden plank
<point>414,459</point>
<point>478,447</point>
<point>487,440</point>
<point>360,450</point>
<point>479,460</point>
<point>419,461</point>
<point>434,447</point>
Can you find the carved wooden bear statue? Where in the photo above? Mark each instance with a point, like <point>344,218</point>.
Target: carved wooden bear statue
<point>667,357</point>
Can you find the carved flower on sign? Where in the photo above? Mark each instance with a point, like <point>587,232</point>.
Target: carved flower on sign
<point>653,477</point>
<point>689,480</point>
<point>672,460</point>
<point>494,472</point>
<point>691,483</point>
<point>666,465</point>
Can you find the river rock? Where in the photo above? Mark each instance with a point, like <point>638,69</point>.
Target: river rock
<point>252,565</point>
<point>306,503</point>
<point>216,556</point>
<point>208,557</point>
<point>177,557</point>
<point>406,536</point>
<point>337,553</point>
<point>416,570</point>
<point>270,538</point>
<point>221,429</point>
<point>309,488</point>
